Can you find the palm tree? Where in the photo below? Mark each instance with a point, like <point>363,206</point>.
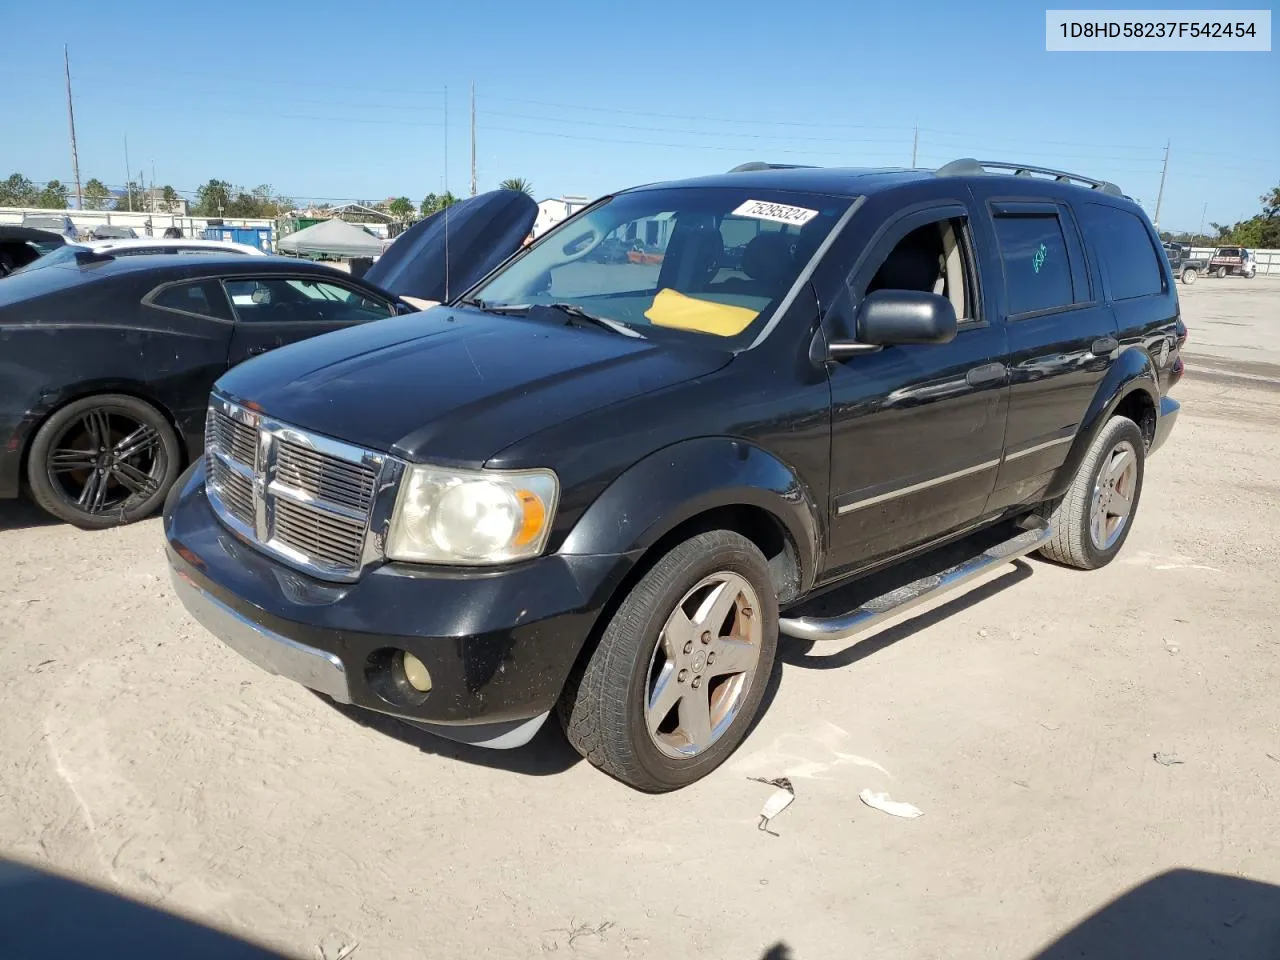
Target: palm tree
<point>517,183</point>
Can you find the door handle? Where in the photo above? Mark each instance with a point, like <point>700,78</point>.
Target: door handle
<point>1104,345</point>
<point>254,351</point>
<point>987,373</point>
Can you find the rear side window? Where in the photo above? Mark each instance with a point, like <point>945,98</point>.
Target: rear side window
<point>204,298</point>
<point>1037,271</point>
<point>1124,246</point>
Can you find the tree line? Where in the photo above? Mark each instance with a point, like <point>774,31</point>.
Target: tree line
<point>1259,232</point>
<point>217,198</point>
<point>402,208</point>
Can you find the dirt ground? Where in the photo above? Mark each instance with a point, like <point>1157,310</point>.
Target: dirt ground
<point>138,754</point>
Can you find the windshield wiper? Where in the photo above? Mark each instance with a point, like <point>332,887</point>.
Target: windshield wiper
<point>572,310</point>
<point>518,309</point>
<point>577,313</point>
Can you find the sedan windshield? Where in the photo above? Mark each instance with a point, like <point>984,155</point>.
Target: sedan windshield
<point>712,261</point>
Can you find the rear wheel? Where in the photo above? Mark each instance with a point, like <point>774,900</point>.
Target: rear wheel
<point>103,461</point>
<point>1222,272</point>
<point>1092,521</point>
<point>1189,275</point>
<point>682,666</point>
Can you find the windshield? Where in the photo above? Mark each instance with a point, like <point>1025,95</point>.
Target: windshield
<point>711,261</point>
<point>45,223</point>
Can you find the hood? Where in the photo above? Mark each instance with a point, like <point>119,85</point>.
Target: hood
<point>31,235</point>
<point>455,385</point>
<point>441,256</point>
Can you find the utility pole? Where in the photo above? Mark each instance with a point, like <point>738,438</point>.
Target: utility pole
<point>1160,196</point>
<point>128,173</point>
<point>915,142</point>
<point>71,119</point>
<point>473,138</point>
<point>1203,212</point>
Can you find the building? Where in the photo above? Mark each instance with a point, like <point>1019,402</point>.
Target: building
<point>551,212</point>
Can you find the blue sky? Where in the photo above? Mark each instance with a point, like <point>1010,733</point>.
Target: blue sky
<point>344,100</point>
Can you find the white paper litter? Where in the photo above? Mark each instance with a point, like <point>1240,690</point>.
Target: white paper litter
<point>885,804</point>
<point>778,801</point>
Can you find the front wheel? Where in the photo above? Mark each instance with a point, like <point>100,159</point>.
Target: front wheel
<point>1092,520</point>
<point>103,461</point>
<point>681,668</point>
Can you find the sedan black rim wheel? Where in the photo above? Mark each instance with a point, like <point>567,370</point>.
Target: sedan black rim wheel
<point>105,461</point>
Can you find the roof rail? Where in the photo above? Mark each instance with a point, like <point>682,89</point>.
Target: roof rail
<point>968,167</point>
<point>761,165</point>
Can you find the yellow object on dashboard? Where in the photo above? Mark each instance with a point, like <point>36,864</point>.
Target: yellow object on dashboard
<point>673,309</point>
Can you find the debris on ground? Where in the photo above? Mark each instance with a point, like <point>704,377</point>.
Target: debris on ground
<point>778,801</point>
<point>1049,726</point>
<point>1166,759</point>
<point>1272,756</point>
<point>335,946</point>
<point>885,804</point>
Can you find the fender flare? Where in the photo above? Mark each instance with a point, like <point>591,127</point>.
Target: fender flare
<point>677,483</point>
<point>1132,372</point>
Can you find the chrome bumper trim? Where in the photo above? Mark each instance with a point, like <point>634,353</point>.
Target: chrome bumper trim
<point>316,669</point>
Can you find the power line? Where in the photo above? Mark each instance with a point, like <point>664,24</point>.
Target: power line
<point>291,116</point>
<point>702,119</point>
<point>682,146</point>
<point>696,133</point>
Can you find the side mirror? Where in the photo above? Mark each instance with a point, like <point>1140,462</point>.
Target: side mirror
<point>891,317</point>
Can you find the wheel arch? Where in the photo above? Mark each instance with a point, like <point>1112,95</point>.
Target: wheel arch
<point>1130,388</point>
<point>91,388</point>
<point>700,484</point>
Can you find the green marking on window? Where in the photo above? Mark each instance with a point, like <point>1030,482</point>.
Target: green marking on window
<point>1038,260</point>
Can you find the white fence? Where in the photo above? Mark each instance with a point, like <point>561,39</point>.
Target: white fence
<point>1268,260</point>
<point>86,220</point>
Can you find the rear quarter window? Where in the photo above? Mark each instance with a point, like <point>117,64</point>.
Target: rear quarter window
<point>1125,248</point>
<point>203,298</point>
<point>1037,270</point>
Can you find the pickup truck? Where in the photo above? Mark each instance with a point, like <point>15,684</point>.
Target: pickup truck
<point>1185,267</point>
<point>1233,261</point>
<point>606,491</point>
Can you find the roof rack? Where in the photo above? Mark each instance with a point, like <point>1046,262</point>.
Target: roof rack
<point>968,167</point>
<point>761,165</point>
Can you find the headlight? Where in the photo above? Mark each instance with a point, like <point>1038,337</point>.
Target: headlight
<point>471,517</point>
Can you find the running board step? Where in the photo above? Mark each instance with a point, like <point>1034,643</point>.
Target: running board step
<point>876,611</point>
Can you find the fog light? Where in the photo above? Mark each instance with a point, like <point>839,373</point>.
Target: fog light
<point>416,672</point>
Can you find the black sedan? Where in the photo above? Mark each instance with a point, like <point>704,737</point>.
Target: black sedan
<point>106,363</point>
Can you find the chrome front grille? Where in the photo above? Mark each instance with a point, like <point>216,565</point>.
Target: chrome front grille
<point>309,500</point>
<point>333,480</point>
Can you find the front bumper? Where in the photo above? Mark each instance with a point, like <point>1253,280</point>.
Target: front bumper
<point>1165,419</point>
<point>499,644</point>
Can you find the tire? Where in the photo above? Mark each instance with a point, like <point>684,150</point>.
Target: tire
<point>1222,272</point>
<point>1189,275</point>
<point>1075,541</point>
<point>71,478</point>
<point>605,706</point>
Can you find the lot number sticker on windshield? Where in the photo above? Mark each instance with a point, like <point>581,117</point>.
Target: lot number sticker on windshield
<point>777,212</point>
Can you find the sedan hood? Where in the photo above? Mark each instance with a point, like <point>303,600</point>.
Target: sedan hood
<point>443,255</point>
<point>454,384</point>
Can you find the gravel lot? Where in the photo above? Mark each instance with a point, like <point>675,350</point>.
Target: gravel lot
<point>139,755</point>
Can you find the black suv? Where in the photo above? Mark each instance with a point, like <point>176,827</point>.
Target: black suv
<point>605,489</point>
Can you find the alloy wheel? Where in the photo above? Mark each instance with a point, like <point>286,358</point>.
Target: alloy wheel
<point>106,460</point>
<point>703,664</point>
<point>1113,495</point>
